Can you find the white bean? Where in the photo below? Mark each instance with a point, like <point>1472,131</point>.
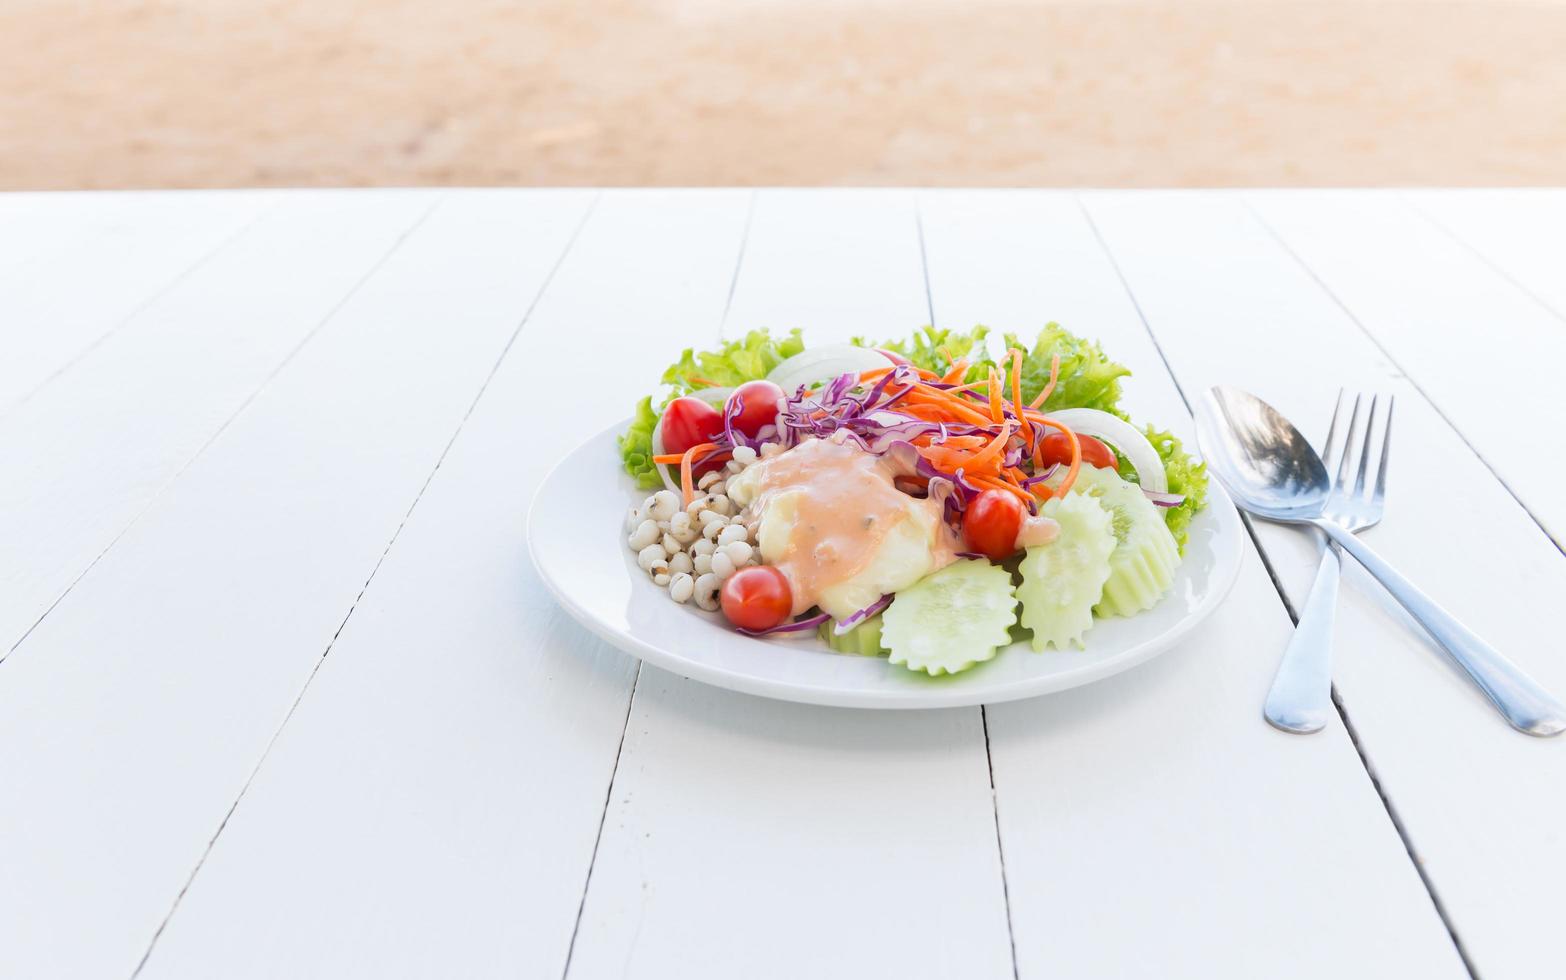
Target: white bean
<point>670,545</point>
<point>698,506</point>
<point>681,585</point>
<point>661,578</point>
<point>733,532</point>
<point>720,487</point>
<point>686,536</point>
<point>738,552</point>
<point>721,504</point>
<point>722,566</point>
<point>733,466</point>
<point>652,553</point>
<point>701,564</point>
<point>664,504</point>
<point>703,547</point>
<point>770,449</point>
<point>680,563</point>
<point>707,480</point>
<point>633,519</point>
<point>744,455</point>
<point>645,534</point>
<point>706,589</point>
<point>712,530</point>
<point>710,517</point>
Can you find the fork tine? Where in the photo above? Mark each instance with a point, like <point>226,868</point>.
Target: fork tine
<point>1364,455</point>
<point>1348,449</point>
<point>1380,492</point>
<point>1332,429</point>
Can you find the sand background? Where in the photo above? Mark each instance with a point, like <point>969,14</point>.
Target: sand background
<point>390,92</point>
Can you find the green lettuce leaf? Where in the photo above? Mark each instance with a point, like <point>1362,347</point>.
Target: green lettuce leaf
<point>732,363</point>
<point>1088,379</point>
<point>1185,475</point>
<point>636,446</point>
<point>929,348</point>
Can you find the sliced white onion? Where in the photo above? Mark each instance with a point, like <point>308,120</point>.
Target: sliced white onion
<point>819,364</point>
<point>657,448</point>
<point>1122,435</point>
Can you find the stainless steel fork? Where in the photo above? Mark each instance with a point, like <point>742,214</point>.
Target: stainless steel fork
<point>1301,697</point>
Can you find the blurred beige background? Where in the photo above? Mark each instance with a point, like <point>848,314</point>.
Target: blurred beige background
<point>178,93</point>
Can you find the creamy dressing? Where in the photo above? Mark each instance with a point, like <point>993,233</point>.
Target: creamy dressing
<point>835,506</point>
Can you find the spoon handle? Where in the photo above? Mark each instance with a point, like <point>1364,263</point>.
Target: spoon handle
<point>1301,697</point>
<point>1527,706</point>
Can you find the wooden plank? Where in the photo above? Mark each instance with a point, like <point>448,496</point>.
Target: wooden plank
<point>1446,318</point>
<point>431,807</point>
<point>100,444</point>
<point>132,718</point>
<point>1478,802</point>
<point>1158,804</point>
<point>1521,231</point>
<point>60,309</point>
<point>754,838</point>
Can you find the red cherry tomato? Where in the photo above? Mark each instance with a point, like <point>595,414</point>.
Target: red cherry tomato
<point>688,422</point>
<point>757,598</point>
<point>991,522</point>
<point>761,402</point>
<point>890,356</point>
<point>1057,449</point>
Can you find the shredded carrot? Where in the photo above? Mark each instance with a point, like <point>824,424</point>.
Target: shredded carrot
<point>687,483</point>
<point>693,381</point>
<point>995,450</point>
<point>1016,393</point>
<point>997,414</point>
<point>994,484</point>
<point>1049,389</point>
<point>958,370</point>
<point>1076,456</point>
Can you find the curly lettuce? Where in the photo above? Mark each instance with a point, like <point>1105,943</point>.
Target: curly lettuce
<point>1088,378</point>
<point>1185,475</point>
<point>732,363</point>
<point>933,349</point>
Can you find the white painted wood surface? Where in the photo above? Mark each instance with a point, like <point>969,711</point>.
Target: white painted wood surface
<point>1479,802</point>
<point>305,670</point>
<point>1103,819</point>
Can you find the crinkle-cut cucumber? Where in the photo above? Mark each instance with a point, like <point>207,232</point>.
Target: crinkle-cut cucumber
<point>951,619</point>
<point>864,639</point>
<point>1143,565</point>
<point>1062,581</point>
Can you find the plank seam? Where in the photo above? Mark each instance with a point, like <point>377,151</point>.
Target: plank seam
<point>739,262</point>
<point>984,717</point>
<point>603,819</point>
<point>1434,406</point>
<point>385,552</point>
<point>144,305</point>
<point>1386,802</point>
<point>1494,266</point>
<point>243,406</point>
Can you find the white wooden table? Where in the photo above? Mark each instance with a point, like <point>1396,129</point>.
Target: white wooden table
<point>282,696</point>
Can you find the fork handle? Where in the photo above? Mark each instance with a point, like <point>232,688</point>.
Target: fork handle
<point>1524,704</point>
<point>1301,697</point>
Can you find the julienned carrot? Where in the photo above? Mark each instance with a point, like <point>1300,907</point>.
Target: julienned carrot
<point>1076,456</point>
<point>997,413</point>
<point>994,484</point>
<point>1049,389</point>
<point>1016,394</point>
<point>693,381</point>
<point>958,370</point>
<point>688,483</point>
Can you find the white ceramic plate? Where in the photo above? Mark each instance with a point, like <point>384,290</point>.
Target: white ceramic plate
<point>577,539</point>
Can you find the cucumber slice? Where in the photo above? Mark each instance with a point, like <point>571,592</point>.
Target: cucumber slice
<point>1143,565</point>
<point>1062,581</point>
<point>864,639</point>
<point>952,619</point>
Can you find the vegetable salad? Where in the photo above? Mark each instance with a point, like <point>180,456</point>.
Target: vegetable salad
<point>922,499</point>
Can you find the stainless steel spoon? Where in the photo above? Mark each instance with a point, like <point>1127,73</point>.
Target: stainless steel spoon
<point>1272,472</point>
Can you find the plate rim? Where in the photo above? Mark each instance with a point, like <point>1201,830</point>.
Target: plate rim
<point>1217,501</point>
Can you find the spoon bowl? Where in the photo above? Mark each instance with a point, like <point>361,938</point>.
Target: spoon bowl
<point>1261,458</point>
